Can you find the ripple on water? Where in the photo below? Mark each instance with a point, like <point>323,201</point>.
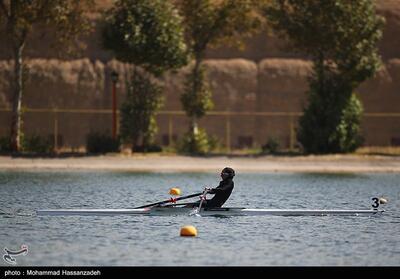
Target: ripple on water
<point>241,240</point>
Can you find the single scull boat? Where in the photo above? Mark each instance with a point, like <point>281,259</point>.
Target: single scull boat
<point>169,207</point>
<point>223,211</point>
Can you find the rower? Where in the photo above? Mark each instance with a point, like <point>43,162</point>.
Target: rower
<point>222,191</point>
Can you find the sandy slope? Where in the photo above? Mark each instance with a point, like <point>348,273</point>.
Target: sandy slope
<point>171,163</point>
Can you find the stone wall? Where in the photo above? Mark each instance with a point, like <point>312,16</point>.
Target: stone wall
<point>253,101</point>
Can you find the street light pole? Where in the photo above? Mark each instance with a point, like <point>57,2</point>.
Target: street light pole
<point>114,79</point>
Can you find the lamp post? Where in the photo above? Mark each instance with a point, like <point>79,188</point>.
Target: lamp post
<point>114,79</point>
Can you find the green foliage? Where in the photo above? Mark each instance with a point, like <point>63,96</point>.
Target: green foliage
<point>213,23</point>
<point>97,142</point>
<point>5,145</point>
<point>271,146</point>
<point>196,143</point>
<point>37,144</point>
<point>139,109</point>
<point>341,37</point>
<point>65,18</point>
<point>213,143</point>
<point>330,125</point>
<point>196,100</point>
<point>210,23</point>
<point>30,144</point>
<point>348,131</point>
<point>149,148</point>
<point>146,33</point>
<point>343,33</point>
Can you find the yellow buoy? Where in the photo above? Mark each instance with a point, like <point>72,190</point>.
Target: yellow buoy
<point>175,191</point>
<point>188,231</point>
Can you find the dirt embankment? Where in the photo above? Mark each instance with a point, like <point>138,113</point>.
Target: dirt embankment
<point>171,163</point>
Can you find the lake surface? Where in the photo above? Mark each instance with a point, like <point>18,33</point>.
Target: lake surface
<point>221,241</point>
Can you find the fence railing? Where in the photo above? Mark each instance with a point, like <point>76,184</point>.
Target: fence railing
<point>227,115</point>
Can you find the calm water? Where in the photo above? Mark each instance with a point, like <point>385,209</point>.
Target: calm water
<point>155,241</point>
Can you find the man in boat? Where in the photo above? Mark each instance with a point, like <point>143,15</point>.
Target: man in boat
<point>222,191</point>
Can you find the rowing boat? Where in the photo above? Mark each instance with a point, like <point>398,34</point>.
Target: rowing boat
<point>222,211</point>
<point>170,207</point>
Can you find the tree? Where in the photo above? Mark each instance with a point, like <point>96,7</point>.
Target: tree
<point>138,121</point>
<point>148,34</point>
<point>19,17</point>
<point>209,24</point>
<point>341,37</point>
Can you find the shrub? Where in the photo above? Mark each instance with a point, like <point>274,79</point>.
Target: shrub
<point>147,148</point>
<point>101,143</point>
<point>331,124</point>
<point>349,131</point>
<point>271,146</point>
<point>5,144</point>
<point>36,144</point>
<point>31,144</point>
<point>196,143</point>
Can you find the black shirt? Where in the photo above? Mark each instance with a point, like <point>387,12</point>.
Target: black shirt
<point>222,193</point>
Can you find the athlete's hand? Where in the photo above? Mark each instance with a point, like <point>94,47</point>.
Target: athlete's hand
<point>207,189</point>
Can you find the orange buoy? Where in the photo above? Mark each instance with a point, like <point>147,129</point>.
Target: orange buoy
<point>188,231</point>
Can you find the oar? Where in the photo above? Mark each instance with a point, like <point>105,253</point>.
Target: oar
<point>169,200</point>
<point>197,210</point>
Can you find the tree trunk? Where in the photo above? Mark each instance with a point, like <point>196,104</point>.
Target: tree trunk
<point>193,121</point>
<point>15,137</point>
<point>194,126</point>
<point>321,73</point>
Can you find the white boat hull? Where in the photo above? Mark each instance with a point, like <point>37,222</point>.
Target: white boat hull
<point>157,211</point>
<point>91,212</point>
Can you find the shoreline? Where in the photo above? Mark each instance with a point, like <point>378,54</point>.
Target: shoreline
<point>178,163</point>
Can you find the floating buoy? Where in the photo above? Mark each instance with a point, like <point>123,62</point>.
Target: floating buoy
<point>188,231</point>
<point>383,200</point>
<point>175,191</point>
